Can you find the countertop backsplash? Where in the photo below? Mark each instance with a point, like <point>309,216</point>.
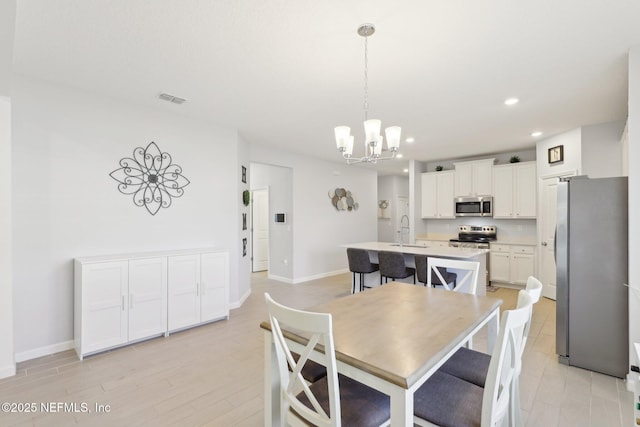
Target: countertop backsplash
<point>514,231</point>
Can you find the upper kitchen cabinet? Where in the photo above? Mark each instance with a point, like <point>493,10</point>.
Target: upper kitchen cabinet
<point>437,194</point>
<point>514,190</point>
<point>473,178</point>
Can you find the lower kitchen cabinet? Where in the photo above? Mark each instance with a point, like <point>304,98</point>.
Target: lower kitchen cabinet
<point>127,298</point>
<point>512,264</point>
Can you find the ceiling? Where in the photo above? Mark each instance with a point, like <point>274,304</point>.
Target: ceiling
<point>286,72</point>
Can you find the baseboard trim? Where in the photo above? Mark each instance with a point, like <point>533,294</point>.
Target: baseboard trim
<point>320,276</point>
<point>44,351</point>
<point>7,371</point>
<point>239,303</point>
<point>279,278</point>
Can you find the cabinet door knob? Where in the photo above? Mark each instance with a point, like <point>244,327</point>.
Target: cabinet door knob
<point>544,243</point>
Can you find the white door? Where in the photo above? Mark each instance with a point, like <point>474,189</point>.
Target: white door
<point>548,200</point>
<point>184,291</point>
<point>104,305</point>
<point>147,297</point>
<point>260,229</point>
<point>214,301</point>
<point>403,228</point>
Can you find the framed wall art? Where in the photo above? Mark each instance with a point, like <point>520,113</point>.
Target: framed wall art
<point>556,154</point>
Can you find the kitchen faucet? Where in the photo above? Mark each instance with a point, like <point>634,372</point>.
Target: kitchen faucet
<point>402,228</point>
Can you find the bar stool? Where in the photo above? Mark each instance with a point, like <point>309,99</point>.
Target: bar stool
<point>421,271</point>
<point>392,266</point>
<point>360,263</point>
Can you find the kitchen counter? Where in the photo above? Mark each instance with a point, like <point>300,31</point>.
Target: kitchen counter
<point>417,249</point>
<point>410,250</point>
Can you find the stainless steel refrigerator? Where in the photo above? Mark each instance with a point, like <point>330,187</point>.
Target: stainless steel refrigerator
<point>592,329</point>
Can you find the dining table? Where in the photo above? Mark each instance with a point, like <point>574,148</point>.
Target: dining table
<point>391,338</point>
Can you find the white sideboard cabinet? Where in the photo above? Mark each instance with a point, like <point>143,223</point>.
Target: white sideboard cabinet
<point>121,299</point>
<point>197,289</point>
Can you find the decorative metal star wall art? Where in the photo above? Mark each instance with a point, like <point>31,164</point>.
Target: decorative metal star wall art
<point>150,177</point>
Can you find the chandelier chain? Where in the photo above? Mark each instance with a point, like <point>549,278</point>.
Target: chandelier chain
<point>366,81</point>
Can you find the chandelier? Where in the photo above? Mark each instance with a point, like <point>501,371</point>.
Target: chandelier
<point>373,139</point>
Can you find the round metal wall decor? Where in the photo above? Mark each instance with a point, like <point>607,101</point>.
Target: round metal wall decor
<point>343,200</point>
<point>151,177</point>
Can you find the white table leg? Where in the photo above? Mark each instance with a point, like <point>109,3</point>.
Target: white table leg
<point>401,408</point>
<point>271,383</point>
<point>493,325</point>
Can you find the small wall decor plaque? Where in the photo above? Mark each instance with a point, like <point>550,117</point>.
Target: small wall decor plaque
<point>556,154</point>
<point>151,177</point>
<point>343,200</point>
<point>244,174</point>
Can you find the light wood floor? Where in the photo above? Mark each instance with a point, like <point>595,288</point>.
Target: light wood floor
<point>212,375</point>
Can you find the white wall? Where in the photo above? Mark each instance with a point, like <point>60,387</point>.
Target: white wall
<point>243,266</point>
<point>318,228</point>
<point>7,362</point>
<point>7,29</point>
<point>634,201</point>
<point>389,187</point>
<point>601,149</point>
<point>572,142</point>
<point>65,204</point>
<point>279,182</point>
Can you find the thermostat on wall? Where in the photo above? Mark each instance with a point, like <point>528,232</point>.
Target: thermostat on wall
<point>280,217</point>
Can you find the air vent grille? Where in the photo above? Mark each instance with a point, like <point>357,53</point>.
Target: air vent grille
<point>171,98</point>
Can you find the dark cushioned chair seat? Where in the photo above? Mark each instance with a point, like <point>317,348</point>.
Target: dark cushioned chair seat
<point>360,405</point>
<point>311,371</point>
<point>392,266</point>
<point>449,401</point>
<point>469,365</point>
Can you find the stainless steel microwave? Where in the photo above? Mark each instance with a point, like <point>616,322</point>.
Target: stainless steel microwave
<point>473,206</point>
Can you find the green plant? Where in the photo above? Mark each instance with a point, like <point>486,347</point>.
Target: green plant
<point>439,168</point>
<point>514,159</point>
<point>246,197</point>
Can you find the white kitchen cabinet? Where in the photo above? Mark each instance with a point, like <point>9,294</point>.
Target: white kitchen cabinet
<point>198,288</point>
<point>437,194</point>
<point>514,190</point>
<point>512,264</point>
<point>121,299</point>
<point>473,178</point>
<point>500,265</point>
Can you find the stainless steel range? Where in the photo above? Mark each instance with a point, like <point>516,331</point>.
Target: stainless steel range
<point>476,237</point>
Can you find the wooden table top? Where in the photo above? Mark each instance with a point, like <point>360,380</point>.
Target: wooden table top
<point>399,331</point>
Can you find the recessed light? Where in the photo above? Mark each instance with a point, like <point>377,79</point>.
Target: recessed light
<point>511,101</point>
<point>536,134</point>
<point>405,170</point>
<point>410,140</point>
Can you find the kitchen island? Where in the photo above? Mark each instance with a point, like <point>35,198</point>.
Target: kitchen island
<point>409,250</point>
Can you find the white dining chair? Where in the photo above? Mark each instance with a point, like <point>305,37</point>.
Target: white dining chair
<point>335,400</point>
<point>466,281</point>
<point>447,400</point>
<point>472,366</point>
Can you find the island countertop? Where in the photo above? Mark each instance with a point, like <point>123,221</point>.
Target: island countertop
<point>446,252</point>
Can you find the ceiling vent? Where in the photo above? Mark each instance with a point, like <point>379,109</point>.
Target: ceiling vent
<point>171,98</point>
